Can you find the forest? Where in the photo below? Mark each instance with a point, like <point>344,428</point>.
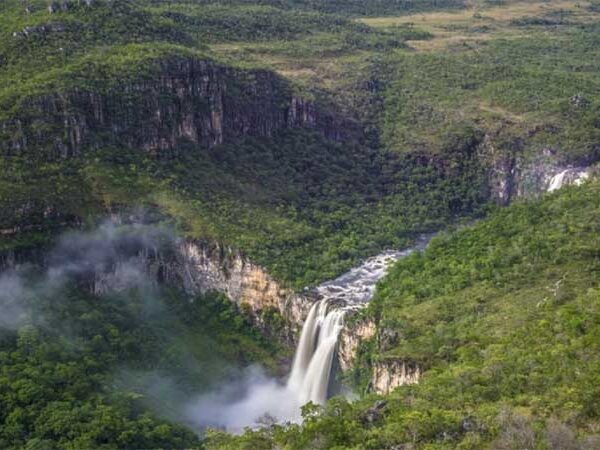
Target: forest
<point>302,137</point>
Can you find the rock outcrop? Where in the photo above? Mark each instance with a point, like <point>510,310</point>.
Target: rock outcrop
<point>186,100</point>
<point>350,338</point>
<point>390,373</point>
<point>200,267</point>
<point>512,174</point>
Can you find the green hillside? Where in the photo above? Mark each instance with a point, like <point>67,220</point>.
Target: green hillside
<point>307,135</point>
<point>504,318</point>
<point>323,204</point>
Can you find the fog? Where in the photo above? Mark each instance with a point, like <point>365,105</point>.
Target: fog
<point>254,399</point>
<point>113,258</point>
<point>13,296</point>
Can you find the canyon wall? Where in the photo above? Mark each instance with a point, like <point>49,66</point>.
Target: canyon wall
<point>200,267</point>
<point>385,374</point>
<point>390,374</point>
<point>187,100</point>
<point>513,173</point>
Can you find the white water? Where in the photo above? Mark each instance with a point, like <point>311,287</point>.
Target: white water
<point>310,382</point>
<point>259,396</point>
<point>566,177</point>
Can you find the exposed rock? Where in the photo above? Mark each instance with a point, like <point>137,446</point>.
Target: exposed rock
<point>199,267</point>
<point>349,340</point>
<point>499,154</point>
<point>373,414</point>
<point>390,374</point>
<point>186,100</point>
<point>566,177</point>
<point>512,175</point>
<point>579,101</point>
<point>204,267</point>
<point>468,424</point>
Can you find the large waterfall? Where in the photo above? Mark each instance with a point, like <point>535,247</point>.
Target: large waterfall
<point>310,377</point>
<point>311,371</point>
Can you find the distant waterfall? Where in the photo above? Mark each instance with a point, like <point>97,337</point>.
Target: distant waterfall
<point>568,176</point>
<point>314,356</point>
<point>557,180</point>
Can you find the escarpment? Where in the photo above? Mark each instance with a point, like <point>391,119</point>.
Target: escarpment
<point>385,374</point>
<point>514,173</point>
<point>198,267</point>
<point>201,266</point>
<point>184,100</point>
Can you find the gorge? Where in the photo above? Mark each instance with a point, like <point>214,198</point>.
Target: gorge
<point>217,224</point>
<point>313,375</point>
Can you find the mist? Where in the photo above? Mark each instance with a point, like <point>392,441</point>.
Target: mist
<point>107,257</point>
<point>253,400</point>
<point>111,262</point>
<point>13,295</point>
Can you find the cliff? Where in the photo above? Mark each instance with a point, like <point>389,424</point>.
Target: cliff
<point>186,100</point>
<point>199,267</point>
<point>513,173</point>
<point>390,374</point>
<point>385,374</point>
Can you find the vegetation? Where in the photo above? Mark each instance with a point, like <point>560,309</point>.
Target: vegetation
<point>503,316</point>
<point>305,208</point>
<point>72,375</point>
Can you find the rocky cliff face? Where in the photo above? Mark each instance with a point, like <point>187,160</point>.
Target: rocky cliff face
<point>390,374</point>
<point>187,100</point>
<point>202,267</point>
<point>512,174</point>
<point>350,338</point>
<point>199,267</point>
<point>386,374</point>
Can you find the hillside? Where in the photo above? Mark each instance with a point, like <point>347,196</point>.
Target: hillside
<point>241,153</point>
<point>503,318</point>
<point>351,91</point>
<point>115,119</point>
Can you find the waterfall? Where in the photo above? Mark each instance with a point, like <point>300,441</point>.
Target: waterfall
<point>316,381</point>
<point>557,181</point>
<point>574,176</point>
<point>314,357</point>
<point>258,396</point>
<point>306,346</point>
<point>311,370</point>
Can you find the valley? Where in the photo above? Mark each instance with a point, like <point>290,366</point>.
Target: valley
<point>402,194</point>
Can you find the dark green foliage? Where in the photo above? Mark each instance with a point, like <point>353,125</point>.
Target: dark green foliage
<point>305,208</point>
<point>73,377</point>
<point>505,318</point>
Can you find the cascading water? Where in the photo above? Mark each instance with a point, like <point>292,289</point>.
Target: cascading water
<point>574,176</point>
<point>311,371</point>
<point>312,367</point>
<point>306,345</point>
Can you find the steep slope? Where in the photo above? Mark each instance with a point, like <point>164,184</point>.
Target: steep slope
<point>229,151</point>
<point>301,137</point>
<point>502,319</point>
